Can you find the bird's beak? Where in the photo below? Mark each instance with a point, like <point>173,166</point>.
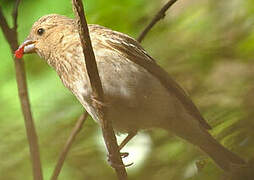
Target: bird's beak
<point>28,45</point>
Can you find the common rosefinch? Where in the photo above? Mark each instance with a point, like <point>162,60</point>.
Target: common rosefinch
<point>138,93</point>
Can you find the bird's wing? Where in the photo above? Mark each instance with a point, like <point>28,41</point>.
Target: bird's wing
<point>132,50</point>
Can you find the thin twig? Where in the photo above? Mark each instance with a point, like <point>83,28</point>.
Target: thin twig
<point>8,32</point>
<point>11,36</point>
<point>97,92</point>
<point>67,146</point>
<point>160,15</point>
<point>15,14</point>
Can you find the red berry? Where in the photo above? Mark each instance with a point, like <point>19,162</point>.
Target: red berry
<point>19,52</point>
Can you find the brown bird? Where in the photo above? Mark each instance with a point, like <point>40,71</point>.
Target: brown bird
<point>138,92</point>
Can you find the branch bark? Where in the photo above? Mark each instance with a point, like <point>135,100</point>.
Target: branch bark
<point>160,15</point>
<point>67,146</point>
<point>97,92</point>
<point>12,38</point>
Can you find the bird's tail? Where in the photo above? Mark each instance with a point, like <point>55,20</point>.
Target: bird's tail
<point>221,156</point>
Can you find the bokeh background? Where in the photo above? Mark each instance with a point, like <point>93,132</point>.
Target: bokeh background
<point>206,45</point>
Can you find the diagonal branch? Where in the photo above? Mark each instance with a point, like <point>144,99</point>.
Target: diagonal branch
<point>11,36</point>
<point>160,15</point>
<point>15,14</point>
<point>7,31</point>
<point>97,92</point>
<point>67,146</point>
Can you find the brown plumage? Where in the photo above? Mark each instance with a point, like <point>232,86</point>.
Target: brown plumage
<point>138,92</point>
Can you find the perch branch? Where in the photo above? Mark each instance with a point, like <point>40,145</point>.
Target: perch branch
<point>67,146</point>
<point>97,92</point>
<point>12,38</point>
<point>160,15</point>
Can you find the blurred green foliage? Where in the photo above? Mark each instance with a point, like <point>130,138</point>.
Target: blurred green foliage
<point>206,45</point>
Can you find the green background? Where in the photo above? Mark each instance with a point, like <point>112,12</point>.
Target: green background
<point>206,45</point>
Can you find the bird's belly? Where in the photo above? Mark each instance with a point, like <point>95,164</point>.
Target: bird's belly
<point>134,98</point>
<point>152,108</point>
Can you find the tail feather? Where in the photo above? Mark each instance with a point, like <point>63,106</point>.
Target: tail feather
<point>221,156</point>
<point>200,137</point>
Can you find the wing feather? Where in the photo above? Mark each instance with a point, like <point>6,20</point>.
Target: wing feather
<point>132,50</point>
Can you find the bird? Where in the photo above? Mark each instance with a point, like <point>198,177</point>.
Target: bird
<point>138,93</point>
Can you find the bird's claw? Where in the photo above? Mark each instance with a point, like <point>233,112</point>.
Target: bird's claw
<point>124,154</point>
<point>128,165</point>
<point>115,165</point>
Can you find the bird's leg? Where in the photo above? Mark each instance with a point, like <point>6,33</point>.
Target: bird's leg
<point>127,139</point>
<point>114,165</point>
<point>123,143</point>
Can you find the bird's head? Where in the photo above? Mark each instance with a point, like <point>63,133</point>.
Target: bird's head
<point>46,34</point>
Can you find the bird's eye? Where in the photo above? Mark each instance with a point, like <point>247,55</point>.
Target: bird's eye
<point>40,31</point>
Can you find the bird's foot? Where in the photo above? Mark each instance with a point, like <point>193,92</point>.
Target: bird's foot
<point>115,165</point>
<point>124,154</point>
